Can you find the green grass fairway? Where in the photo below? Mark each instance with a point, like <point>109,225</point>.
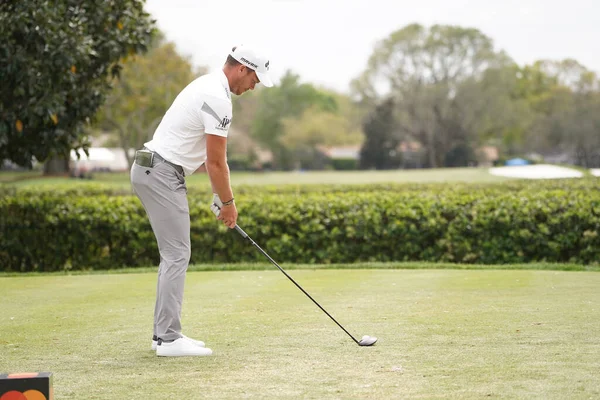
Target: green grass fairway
<point>279,178</point>
<point>444,334</point>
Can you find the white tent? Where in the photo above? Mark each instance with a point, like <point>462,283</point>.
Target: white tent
<point>100,158</point>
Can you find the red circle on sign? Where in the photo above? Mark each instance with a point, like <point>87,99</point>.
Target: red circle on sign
<point>13,395</point>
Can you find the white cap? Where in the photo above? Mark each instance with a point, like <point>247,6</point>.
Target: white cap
<point>254,60</point>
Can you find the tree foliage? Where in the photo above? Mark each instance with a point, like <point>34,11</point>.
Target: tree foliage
<point>287,100</point>
<point>316,128</point>
<point>453,92</point>
<point>145,89</point>
<point>568,112</point>
<point>56,59</point>
<point>425,69</point>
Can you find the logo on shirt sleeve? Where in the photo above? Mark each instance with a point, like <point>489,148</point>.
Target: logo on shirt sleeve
<point>224,124</point>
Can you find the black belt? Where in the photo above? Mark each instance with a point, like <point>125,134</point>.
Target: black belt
<point>157,156</point>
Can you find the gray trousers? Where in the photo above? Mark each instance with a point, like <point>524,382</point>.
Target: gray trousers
<point>163,193</point>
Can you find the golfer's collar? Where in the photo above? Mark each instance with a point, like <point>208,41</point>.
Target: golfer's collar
<point>225,84</point>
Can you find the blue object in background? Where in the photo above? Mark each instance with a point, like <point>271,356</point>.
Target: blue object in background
<point>516,161</point>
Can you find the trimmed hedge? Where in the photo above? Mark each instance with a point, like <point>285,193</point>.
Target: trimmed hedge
<point>203,189</point>
<point>488,224</point>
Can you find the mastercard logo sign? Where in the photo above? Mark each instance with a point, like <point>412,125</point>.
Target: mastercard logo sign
<point>26,386</point>
<point>28,395</point>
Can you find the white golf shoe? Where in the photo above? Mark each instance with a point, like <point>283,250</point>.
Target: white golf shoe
<point>180,348</point>
<point>196,342</point>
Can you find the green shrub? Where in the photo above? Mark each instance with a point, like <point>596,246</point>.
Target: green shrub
<point>344,164</point>
<point>493,224</point>
<point>204,189</point>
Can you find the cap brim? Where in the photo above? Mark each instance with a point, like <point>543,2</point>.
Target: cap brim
<point>264,78</point>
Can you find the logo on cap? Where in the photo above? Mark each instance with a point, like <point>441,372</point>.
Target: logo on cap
<point>267,65</point>
<point>249,63</point>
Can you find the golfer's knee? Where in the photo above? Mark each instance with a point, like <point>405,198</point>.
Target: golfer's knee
<point>182,258</point>
<point>187,255</point>
<point>179,257</point>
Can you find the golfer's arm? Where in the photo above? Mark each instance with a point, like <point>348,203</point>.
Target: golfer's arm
<point>216,166</point>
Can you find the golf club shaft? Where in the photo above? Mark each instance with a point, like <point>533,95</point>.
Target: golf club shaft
<point>245,236</point>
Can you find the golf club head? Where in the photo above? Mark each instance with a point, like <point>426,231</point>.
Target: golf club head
<point>367,340</point>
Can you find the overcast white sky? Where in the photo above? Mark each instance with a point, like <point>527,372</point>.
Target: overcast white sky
<point>328,42</point>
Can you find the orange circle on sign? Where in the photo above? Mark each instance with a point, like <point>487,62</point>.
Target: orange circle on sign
<point>34,395</point>
<point>13,395</point>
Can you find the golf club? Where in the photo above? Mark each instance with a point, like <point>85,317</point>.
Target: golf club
<point>365,341</point>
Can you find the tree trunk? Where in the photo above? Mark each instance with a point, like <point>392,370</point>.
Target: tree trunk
<point>431,150</point>
<point>57,166</point>
<point>125,147</point>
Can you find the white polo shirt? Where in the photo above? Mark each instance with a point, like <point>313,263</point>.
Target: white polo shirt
<point>203,107</point>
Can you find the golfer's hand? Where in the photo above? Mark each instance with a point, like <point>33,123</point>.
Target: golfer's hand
<point>228,215</point>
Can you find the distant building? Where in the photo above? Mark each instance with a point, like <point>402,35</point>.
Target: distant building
<point>341,152</point>
<point>412,153</point>
<point>487,155</point>
<point>559,158</point>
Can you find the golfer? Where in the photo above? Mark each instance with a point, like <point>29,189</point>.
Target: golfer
<point>193,132</point>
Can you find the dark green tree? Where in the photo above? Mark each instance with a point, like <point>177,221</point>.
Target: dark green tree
<point>56,61</point>
<point>379,149</point>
